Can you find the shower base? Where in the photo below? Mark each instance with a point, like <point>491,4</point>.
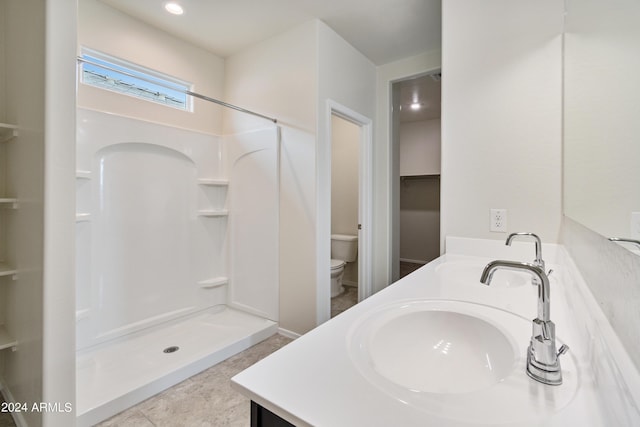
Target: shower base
<point>115,376</point>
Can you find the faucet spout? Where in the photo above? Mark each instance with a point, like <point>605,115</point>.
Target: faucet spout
<point>538,261</point>
<point>543,364</point>
<point>544,291</point>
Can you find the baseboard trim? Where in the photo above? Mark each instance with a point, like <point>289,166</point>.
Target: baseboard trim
<point>289,334</point>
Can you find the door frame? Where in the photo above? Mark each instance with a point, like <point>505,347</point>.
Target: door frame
<point>365,208</point>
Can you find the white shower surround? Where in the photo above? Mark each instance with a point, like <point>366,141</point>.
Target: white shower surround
<point>176,238</point>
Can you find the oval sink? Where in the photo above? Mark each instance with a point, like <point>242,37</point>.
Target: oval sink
<point>455,352</point>
<point>456,360</point>
<point>465,273</point>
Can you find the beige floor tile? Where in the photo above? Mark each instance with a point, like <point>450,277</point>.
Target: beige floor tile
<point>204,400</point>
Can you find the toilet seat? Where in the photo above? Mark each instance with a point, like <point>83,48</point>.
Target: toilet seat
<point>337,263</point>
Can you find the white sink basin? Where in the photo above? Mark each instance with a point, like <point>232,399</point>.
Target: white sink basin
<point>471,355</point>
<point>441,351</point>
<point>468,273</point>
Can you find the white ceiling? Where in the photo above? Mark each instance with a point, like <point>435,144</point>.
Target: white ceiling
<point>383,30</point>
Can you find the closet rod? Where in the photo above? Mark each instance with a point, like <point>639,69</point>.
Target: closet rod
<point>186,92</point>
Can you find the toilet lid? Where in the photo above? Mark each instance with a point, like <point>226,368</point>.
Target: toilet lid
<point>337,263</point>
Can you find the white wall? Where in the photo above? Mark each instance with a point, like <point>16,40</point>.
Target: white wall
<point>107,30</point>
<point>386,165</point>
<point>291,76</point>
<point>278,77</point>
<point>22,370</point>
<point>501,119</point>
<point>420,147</point>
<point>348,79</point>
<point>59,177</point>
<point>344,176</point>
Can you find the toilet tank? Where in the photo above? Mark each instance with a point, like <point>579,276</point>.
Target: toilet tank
<point>344,247</point>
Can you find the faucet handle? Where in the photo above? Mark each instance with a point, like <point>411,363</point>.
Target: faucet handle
<point>562,350</point>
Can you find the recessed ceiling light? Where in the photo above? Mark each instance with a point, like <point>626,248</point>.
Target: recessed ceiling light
<point>174,8</point>
<point>416,106</point>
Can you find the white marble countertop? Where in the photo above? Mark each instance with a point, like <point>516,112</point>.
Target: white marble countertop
<point>315,380</point>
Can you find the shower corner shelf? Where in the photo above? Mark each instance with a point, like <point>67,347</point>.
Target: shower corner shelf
<point>13,203</point>
<point>7,270</point>
<point>82,174</point>
<point>213,213</point>
<point>7,132</point>
<point>6,340</point>
<point>213,182</point>
<point>214,282</point>
<point>83,217</point>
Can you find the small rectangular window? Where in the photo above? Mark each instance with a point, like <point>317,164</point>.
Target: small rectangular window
<point>118,75</point>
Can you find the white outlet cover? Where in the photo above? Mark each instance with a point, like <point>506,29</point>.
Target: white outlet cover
<point>498,220</point>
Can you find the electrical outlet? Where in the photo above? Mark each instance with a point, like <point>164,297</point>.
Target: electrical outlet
<point>498,220</point>
<point>635,225</point>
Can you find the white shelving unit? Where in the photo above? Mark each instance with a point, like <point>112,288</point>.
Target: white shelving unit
<point>212,204</point>
<point>8,132</point>
<point>7,270</point>
<point>6,340</point>
<point>13,203</point>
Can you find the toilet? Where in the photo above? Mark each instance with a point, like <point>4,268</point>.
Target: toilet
<point>344,249</point>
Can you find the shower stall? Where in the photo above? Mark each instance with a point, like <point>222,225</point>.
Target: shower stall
<point>176,254</point>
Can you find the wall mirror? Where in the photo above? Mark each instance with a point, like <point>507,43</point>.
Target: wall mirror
<point>602,117</point>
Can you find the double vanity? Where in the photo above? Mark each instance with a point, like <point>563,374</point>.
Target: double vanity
<point>439,347</point>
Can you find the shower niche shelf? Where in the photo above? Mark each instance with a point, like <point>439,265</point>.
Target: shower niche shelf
<point>212,213</point>
<point>7,132</point>
<point>82,174</point>
<point>6,340</point>
<point>83,217</point>
<point>212,182</point>
<point>214,282</point>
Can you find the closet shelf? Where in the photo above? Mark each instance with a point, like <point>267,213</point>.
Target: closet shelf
<point>7,132</point>
<point>7,270</point>
<point>213,182</point>
<point>424,176</point>
<point>214,282</point>
<point>213,213</point>
<point>6,340</point>
<point>9,201</point>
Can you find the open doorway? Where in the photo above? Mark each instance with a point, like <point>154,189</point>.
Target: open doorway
<point>345,217</point>
<point>417,148</point>
<point>345,208</point>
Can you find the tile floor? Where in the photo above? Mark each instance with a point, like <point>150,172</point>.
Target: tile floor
<point>408,267</point>
<point>204,400</point>
<point>345,300</point>
<point>5,418</point>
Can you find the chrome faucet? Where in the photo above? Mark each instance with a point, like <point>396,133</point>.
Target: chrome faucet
<point>538,262</point>
<point>543,363</point>
<point>625,240</point>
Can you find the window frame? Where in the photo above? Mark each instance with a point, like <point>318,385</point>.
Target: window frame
<point>135,73</point>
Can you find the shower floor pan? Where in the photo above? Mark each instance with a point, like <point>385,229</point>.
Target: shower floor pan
<point>114,377</point>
